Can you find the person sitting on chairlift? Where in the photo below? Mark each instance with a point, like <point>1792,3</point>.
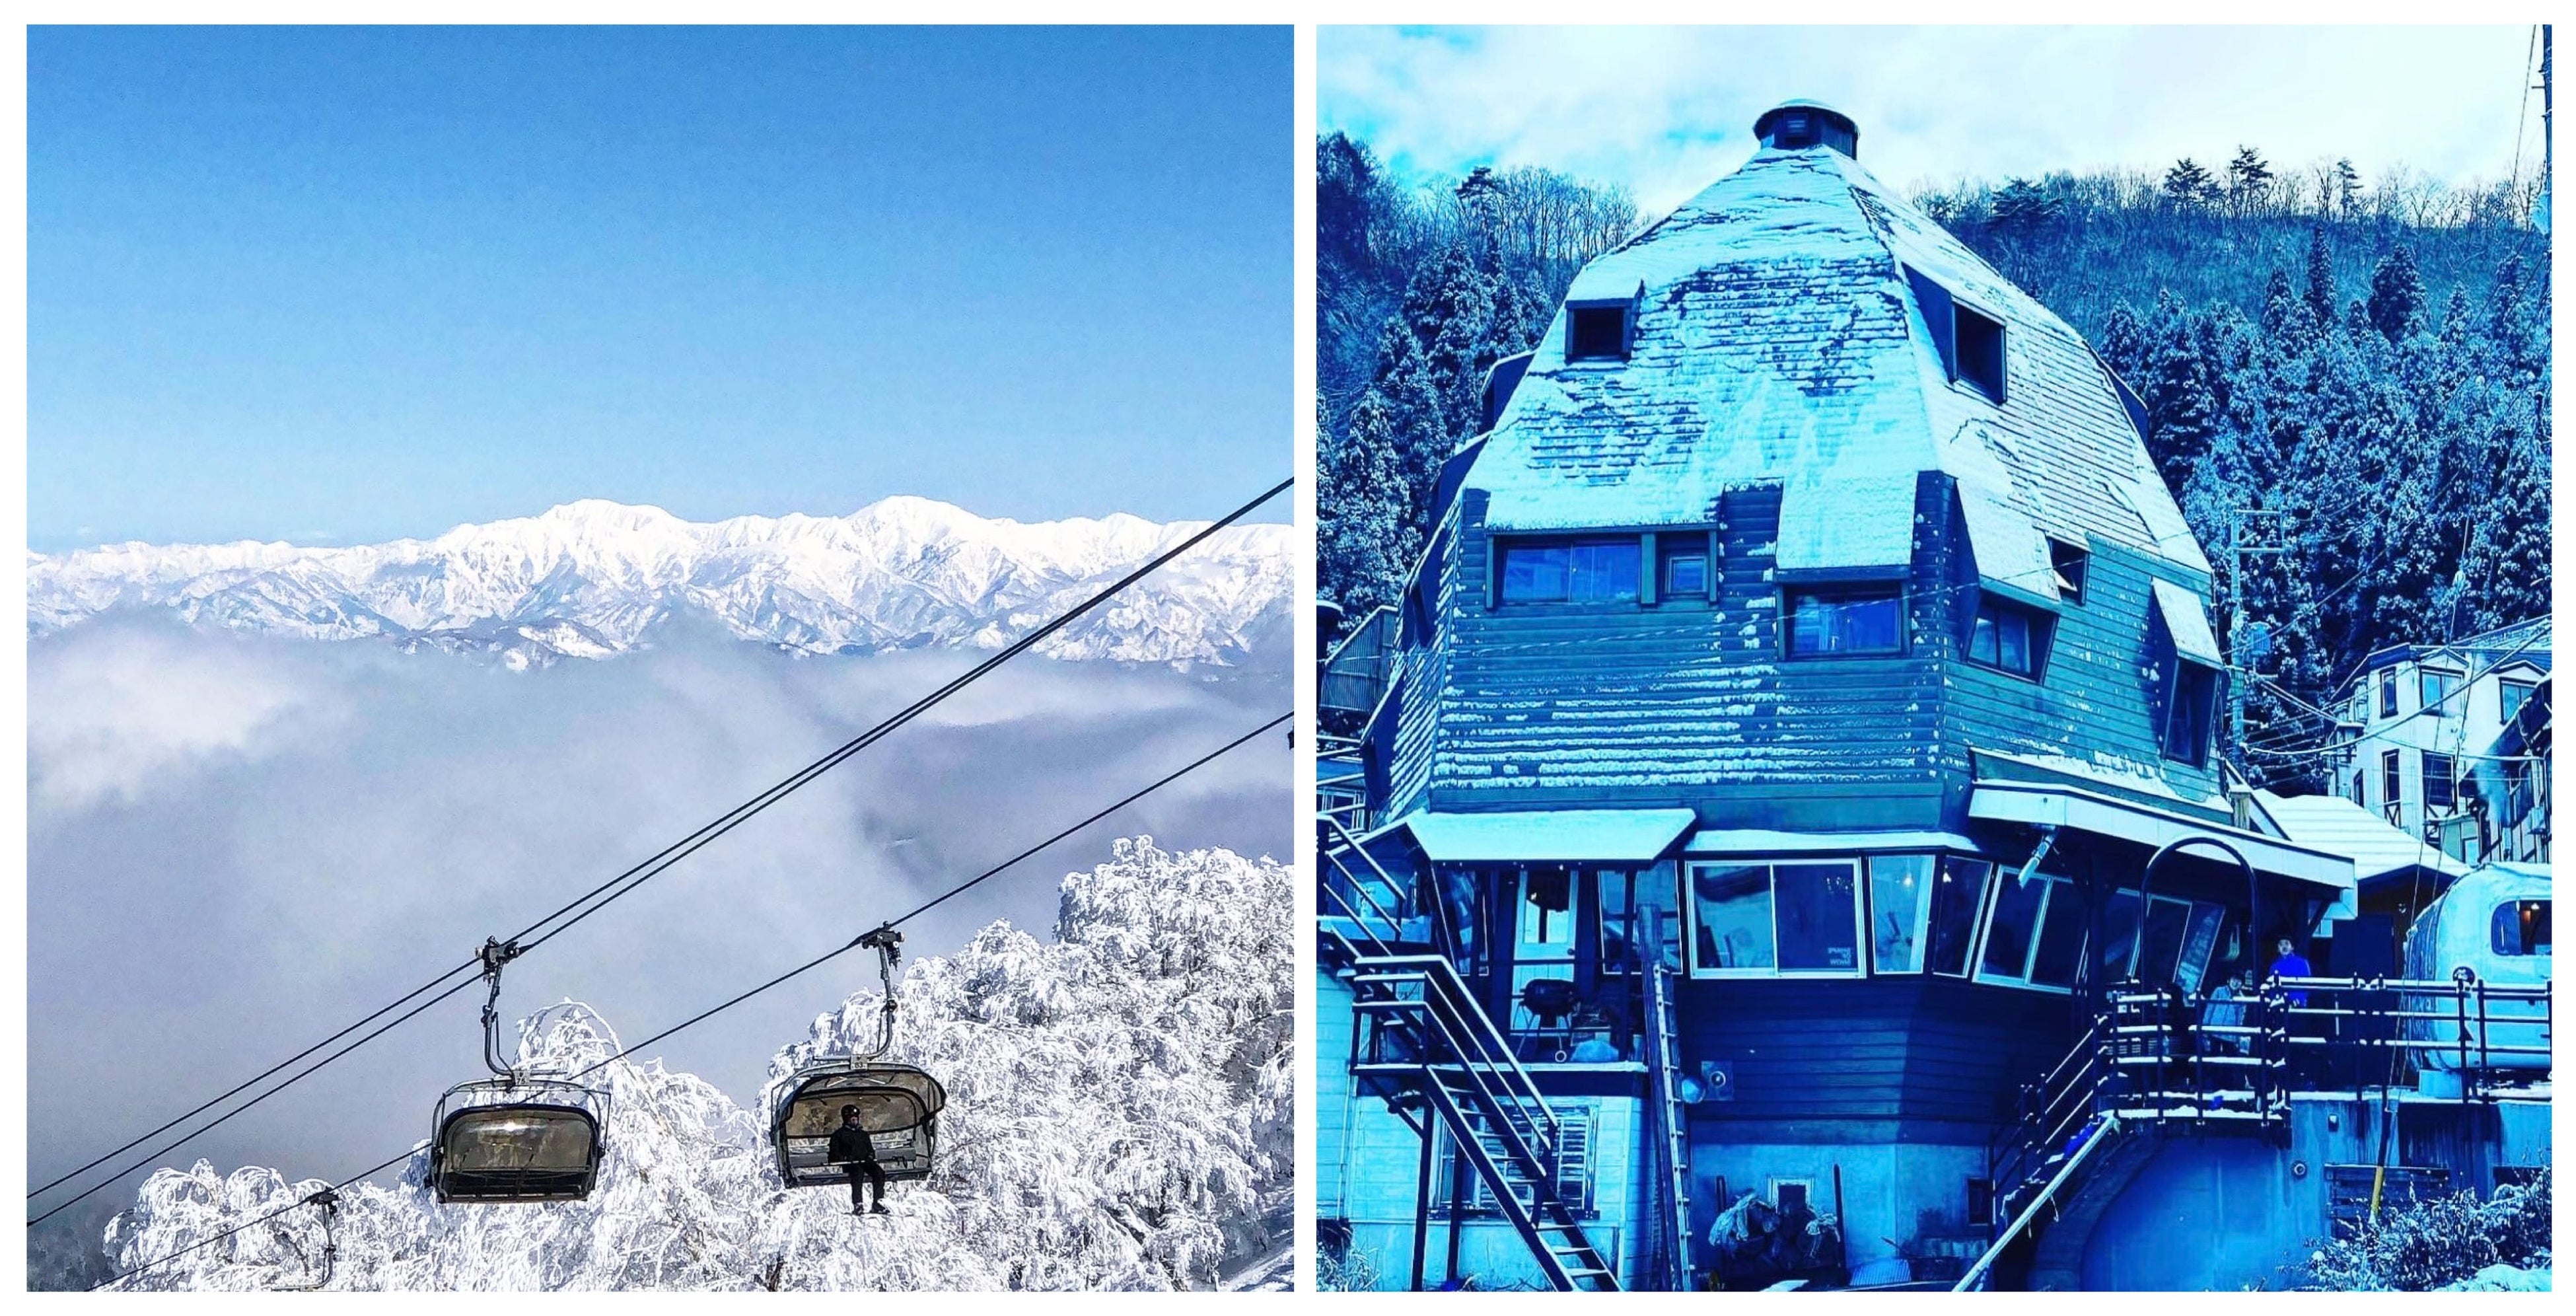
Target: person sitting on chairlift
<point>852,1147</point>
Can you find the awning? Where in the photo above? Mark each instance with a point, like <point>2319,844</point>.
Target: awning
<point>2339,826</point>
<point>2010,552</point>
<point>1546,835</point>
<point>1857,525</point>
<point>2084,811</point>
<point>1755,840</point>
<point>2188,623</point>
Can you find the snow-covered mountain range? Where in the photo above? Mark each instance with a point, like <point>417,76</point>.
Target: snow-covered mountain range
<point>592,579</point>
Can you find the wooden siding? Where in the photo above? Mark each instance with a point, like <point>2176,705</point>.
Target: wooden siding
<point>1637,705</point>
<point>1820,1056</point>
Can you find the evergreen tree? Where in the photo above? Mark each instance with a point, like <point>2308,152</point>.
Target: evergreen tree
<point>2190,185</point>
<point>2396,294</point>
<point>2321,280</point>
<point>2181,409</point>
<point>2249,181</point>
<point>2347,188</point>
<point>1365,536</point>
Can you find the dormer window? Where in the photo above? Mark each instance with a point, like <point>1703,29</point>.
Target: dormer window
<point>1969,341</point>
<point>2189,713</point>
<point>2066,563</point>
<point>1596,333</point>
<point>1979,358</point>
<point>2009,638</point>
<point>1685,567</point>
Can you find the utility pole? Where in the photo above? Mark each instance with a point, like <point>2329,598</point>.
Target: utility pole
<point>2252,532</point>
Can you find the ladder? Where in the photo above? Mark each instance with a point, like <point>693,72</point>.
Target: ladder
<point>1672,1130</point>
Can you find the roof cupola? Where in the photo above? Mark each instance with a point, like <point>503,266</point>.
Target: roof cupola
<point>1794,125</point>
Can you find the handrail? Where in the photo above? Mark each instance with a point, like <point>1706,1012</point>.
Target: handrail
<point>1506,1201</point>
<point>1968,1282</point>
<point>1490,1042</point>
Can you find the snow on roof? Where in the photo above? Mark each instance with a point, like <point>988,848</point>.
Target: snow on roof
<point>2188,623</point>
<point>1866,521</point>
<point>1545,835</point>
<point>2339,826</point>
<point>1778,340</point>
<point>2009,550</point>
<point>1758,841</point>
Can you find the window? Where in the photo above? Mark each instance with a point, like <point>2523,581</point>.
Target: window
<point>2181,937</point>
<point>2007,638</point>
<point>2388,694</point>
<point>1793,1195</point>
<point>1900,887</point>
<point>1547,907</point>
<point>2391,785</point>
<point>1626,899</point>
<point>2436,689</point>
<point>2522,928</point>
<point>1981,1202</point>
<point>1570,571</point>
<point>1597,333</point>
<point>2190,712</point>
<point>1846,622</point>
<point>1979,358</point>
<point>2067,561</point>
<point>1574,1178</point>
<point>2034,932</point>
<point>2509,699</point>
<point>2438,781</point>
<point>1786,918</point>
<point>1953,923</point>
<point>1684,567</point>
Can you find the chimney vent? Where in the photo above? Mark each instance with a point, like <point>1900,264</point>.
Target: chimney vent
<point>1798,124</point>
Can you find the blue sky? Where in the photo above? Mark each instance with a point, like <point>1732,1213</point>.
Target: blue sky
<point>344,285</point>
<point>1666,111</point>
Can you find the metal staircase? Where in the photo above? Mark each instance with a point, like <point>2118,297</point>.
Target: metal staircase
<point>1672,1127</point>
<point>1433,1054</point>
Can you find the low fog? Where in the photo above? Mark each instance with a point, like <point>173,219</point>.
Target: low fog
<point>238,845</point>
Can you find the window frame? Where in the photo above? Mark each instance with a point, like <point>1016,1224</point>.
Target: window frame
<point>2437,705</point>
<point>1576,312</point>
<point>1690,872</point>
<point>1921,937</point>
<point>1961,313</point>
<point>1853,591</point>
<point>2448,777</point>
<point>2041,633</point>
<point>1679,547</point>
<point>2174,708</point>
<point>2506,713</point>
<point>2521,926</point>
<point>2070,588</point>
<point>2392,778</point>
<point>2387,706</point>
<point>1504,545</point>
<point>2038,932</point>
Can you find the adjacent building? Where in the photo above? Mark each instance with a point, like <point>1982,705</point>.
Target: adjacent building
<point>2418,723</point>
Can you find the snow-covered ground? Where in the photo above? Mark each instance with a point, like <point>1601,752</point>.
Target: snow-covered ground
<point>592,579</point>
<point>1119,1116</point>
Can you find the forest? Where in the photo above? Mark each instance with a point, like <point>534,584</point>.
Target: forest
<point>2352,374</point>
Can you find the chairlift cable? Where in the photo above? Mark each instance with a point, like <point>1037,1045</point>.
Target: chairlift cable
<point>623,1052</point>
<point>656,864</point>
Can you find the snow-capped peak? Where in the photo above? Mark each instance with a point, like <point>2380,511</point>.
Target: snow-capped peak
<point>593,578</point>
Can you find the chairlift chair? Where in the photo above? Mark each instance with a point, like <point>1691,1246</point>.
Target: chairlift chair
<point>898,1104</point>
<point>515,1137</point>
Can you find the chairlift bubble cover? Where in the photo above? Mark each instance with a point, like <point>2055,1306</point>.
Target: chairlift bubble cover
<point>898,1106</point>
<point>516,1143</point>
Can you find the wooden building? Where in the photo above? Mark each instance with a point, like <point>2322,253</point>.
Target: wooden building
<point>1804,666</point>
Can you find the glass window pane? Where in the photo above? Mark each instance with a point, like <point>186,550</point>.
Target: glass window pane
<point>1686,575</point>
<point>2119,936</point>
<point>1898,885</point>
<point>1981,642</point>
<point>2199,944</point>
<point>1817,930</point>
<point>1618,922</point>
<point>1872,625</point>
<point>2013,630</point>
<point>1602,571</point>
<point>1734,905</point>
<point>1547,908</point>
<point>2009,929</point>
<point>1954,913</point>
<point>2061,937</point>
<point>2165,926</point>
<point>1533,573</point>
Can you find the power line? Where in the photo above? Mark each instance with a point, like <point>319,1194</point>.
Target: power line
<point>599,897</point>
<point>704,1015</point>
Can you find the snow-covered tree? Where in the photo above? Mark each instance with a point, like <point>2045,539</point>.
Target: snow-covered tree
<point>1118,1117</point>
